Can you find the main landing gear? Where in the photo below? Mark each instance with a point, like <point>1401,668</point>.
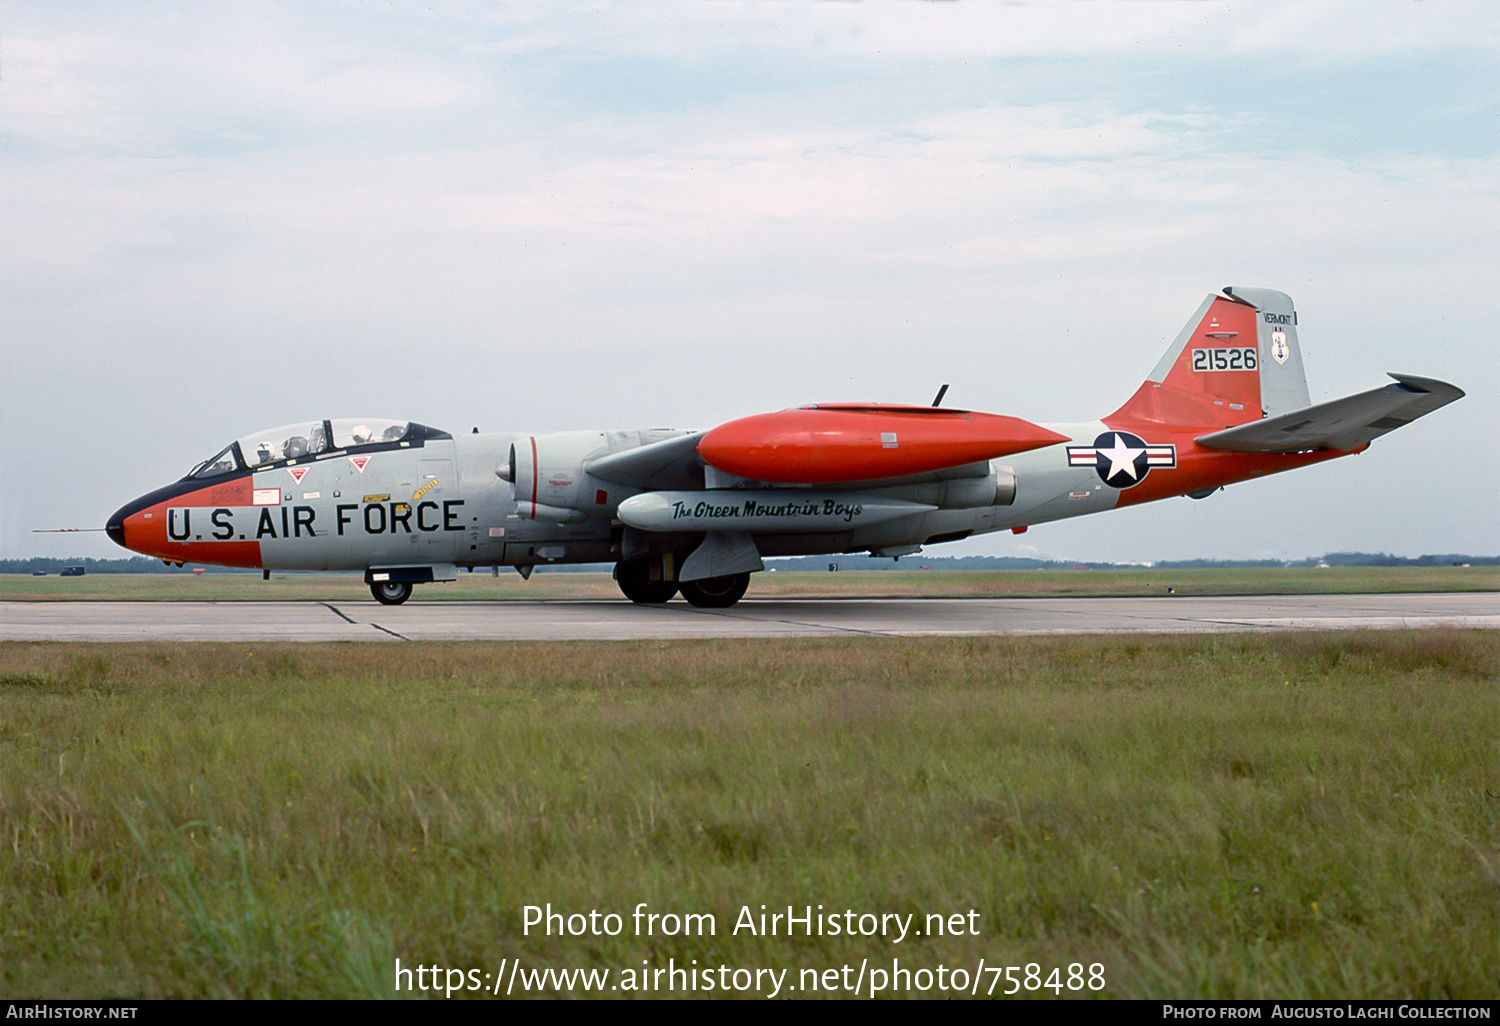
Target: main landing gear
<point>391,593</point>
<point>634,577</point>
<point>715,592</point>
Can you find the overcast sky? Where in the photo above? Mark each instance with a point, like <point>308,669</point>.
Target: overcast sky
<point>538,217</point>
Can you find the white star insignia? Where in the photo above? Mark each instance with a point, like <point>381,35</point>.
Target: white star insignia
<point>1121,458</point>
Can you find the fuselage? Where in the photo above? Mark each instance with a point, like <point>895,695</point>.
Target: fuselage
<point>693,512</point>
<point>440,500</point>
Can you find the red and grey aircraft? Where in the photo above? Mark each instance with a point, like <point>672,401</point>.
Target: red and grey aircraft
<point>694,512</point>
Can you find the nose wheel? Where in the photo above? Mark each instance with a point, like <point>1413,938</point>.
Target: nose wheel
<point>391,593</point>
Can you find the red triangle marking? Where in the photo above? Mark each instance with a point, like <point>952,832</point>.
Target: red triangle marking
<point>359,462</point>
<point>298,473</point>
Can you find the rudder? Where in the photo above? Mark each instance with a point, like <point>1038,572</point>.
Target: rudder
<point>1283,383</point>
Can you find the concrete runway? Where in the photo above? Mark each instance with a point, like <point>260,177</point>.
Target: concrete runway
<point>752,618</point>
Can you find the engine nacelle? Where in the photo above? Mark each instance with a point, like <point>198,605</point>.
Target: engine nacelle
<point>995,488</point>
<point>549,477</point>
<point>548,480</point>
<point>762,510</point>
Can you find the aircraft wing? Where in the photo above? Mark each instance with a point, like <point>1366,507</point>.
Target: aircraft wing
<point>672,463</point>
<point>1346,423</point>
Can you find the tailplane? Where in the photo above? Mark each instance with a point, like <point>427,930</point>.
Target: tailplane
<point>1347,423</point>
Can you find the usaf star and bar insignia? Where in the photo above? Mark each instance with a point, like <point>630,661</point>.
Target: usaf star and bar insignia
<point>1122,459</point>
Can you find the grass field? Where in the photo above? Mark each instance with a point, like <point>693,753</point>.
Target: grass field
<point>1306,815</point>
<point>223,587</point>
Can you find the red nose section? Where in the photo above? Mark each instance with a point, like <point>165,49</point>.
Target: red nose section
<point>864,442</point>
<point>177,524</point>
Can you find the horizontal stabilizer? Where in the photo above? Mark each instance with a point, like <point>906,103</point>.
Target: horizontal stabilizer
<point>673,463</point>
<point>1343,424</point>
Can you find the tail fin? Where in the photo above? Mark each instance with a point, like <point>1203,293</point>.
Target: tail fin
<point>1236,361</point>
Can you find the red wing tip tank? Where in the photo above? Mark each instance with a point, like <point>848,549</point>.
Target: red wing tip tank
<point>839,442</point>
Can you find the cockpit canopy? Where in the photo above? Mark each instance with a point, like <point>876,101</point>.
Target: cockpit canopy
<point>293,442</point>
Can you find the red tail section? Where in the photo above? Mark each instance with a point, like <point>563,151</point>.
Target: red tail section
<point>1209,379</point>
<point>1236,362</point>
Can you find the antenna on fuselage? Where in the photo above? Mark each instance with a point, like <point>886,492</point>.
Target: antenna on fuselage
<point>941,392</point>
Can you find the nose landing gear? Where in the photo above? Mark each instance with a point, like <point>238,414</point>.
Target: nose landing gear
<point>390,593</point>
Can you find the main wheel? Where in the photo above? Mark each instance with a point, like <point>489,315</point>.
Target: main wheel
<point>715,592</point>
<point>636,584</point>
<point>390,593</point>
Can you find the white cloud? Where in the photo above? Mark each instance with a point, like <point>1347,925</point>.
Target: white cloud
<point>1318,30</point>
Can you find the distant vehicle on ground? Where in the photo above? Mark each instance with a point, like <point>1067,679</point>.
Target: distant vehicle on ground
<point>694,512</point>
<point>71,571</point>
<point>39,573</point>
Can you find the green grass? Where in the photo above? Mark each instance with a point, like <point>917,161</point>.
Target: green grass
<point>902,583</point>
<point>1234,816</point>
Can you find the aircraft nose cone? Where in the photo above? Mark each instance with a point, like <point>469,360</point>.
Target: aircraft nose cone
<point>115,528</point>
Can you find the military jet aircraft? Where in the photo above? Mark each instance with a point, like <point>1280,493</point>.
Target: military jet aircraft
<point>694,512</point>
